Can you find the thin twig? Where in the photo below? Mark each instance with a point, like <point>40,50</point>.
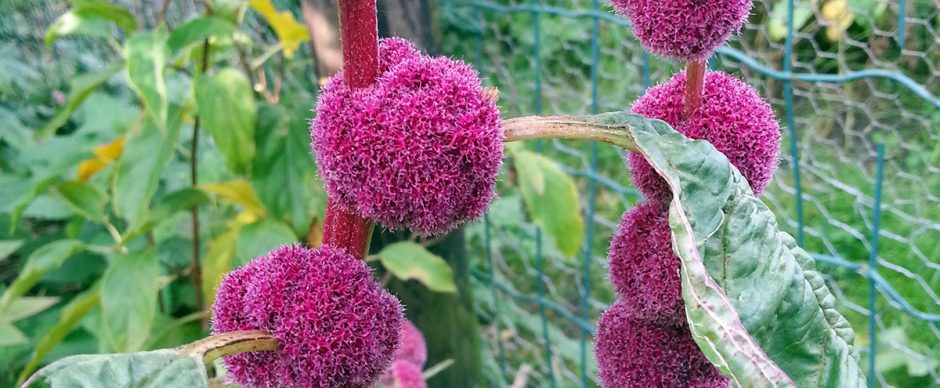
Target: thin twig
<point>196,272</point>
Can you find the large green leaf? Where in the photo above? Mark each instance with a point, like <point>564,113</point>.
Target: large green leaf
<point>228,112</point>
<point>755,303</point>
<point>146,54</point>
<point>80,88</point>
<point>72,314</point>
<point>42,261</point>
<point>408,260</point>
<point>129,299</point>
<point>84,199</point>
<point>283,169</point>
<point>552,199</point>
<point>146,155</point>
<point>158,368</point>
<point>197,30</point>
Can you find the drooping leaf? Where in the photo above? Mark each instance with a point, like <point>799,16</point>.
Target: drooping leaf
<point>551,197</point>
<point>105,154</point>
<point>289,32</point>
<point>146,155</point>
<point>28,306</point>
<point>146,54</point>
<point>218,261</point>
<point>84,199</point>
<point>42,261</point>
<point>129,299</point>
<point>80,87</point>
<point>283,169</point>
<point>228,112</point>
<point>158,368</point>
<point>260,237</point>
<point>72,314</point>
<point>408,260</point>
<point>755,303</point>
<point>7,247</point>
<point>197,30</point>
<point>237,192</point>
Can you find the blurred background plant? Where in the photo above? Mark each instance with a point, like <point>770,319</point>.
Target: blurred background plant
<point>148,147</point>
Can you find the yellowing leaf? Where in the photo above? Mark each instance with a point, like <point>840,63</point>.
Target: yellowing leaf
<point>838,17</point>
<point>289,31</point>
<point>238,192</point>
<point>105,154</point>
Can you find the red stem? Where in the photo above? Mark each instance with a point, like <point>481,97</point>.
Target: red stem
<point>360,37</point>
<point>694,83</point>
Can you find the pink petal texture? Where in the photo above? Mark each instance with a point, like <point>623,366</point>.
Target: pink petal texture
<point>683,29</point>
<point>733,118</point>
<point>643,268</point>
<point>634,353</point>
<point>419,149</point>
<point>403,374</point>
<point>336,325</point>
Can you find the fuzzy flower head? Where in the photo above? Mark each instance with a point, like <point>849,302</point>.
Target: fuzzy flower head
<point>633,353</point>
<point>683,29</point>
<point>403,374</point>
<point>732,117</point>
<point>420,149</point>
<point>643,268</point>
<point>412,347</point>
<point>335,324</point>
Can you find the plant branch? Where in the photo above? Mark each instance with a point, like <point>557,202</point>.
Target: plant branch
<point>694,83</point>
<point>566,127</point>
<point>234,342</point>
<point>196,272</point>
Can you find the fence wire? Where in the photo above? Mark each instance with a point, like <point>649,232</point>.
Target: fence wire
<point>847,79</point>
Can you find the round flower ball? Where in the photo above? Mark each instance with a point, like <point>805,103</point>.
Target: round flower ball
<point>421,148</point>
<point>412,347</point>
<point>335,324</point>
<point>403,374</point>
<point>633,353</point>
<point>643,268</point>
<point>732,117</point>
<point>683,29</point>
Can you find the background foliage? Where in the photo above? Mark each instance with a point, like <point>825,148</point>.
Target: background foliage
<point>99,108</point>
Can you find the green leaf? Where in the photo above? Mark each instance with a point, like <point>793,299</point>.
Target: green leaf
<point>8,247</point>
<point>129,299</point>
<point>197,30</point>
<point>121,16</point>
<point>238,192</point>
<point>283,169</point>
<point>10,335</point>
<point>72,314</point>
<point>218,261</point>
<point>78,23</point>
<point>551,198</point>
<point>28,306</point>
<point>42,261</point>
<point>166,207</point>
<point>158,368</point>
<point>230,10</point>
<point>777,26</point>
<point>227,110</point>
<point>146,155</point>
<point>84,199</point>
<point>288,30</point>
<point>755,303</point>
<point>146,54</point>
<point>408,260</point>
<point>80,88</point>
<point>261,237</point>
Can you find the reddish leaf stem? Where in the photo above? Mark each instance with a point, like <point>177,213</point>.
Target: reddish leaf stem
<point>694,82</point>
<point>360,69</point>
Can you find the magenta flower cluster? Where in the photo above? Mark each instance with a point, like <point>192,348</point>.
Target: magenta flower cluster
<point>407,361</point>
<point>336,325</point>
<point>420,149</point>
<point>684,29</point>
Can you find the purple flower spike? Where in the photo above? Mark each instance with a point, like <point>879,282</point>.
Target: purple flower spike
<point>683,29</point>
<point>733,118</point>
<point>643,268</point>
<point>336,325</point>
<point>419,149</point>
<point>403,374</point>
<point>634,353</point>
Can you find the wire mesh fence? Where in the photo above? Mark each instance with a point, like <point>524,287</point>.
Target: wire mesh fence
<point>845,78</point>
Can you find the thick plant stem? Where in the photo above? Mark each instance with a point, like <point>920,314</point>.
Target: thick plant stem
<point>233,342</point>
<point>360,39</point>
<point>694,82</point>
<point>565,127</point>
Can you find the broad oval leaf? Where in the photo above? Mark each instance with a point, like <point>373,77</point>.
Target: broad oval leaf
<point>552,199</point>
<point>84,199</point>
<point>228,112</point>
<point>129,299</point>
<point>42,261</point>
<point>755,303</point>
<point>408,260</point>
<point>158,368</point>
<point>146,54</point>
<point>197,30</point>
<point>146,154</point>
